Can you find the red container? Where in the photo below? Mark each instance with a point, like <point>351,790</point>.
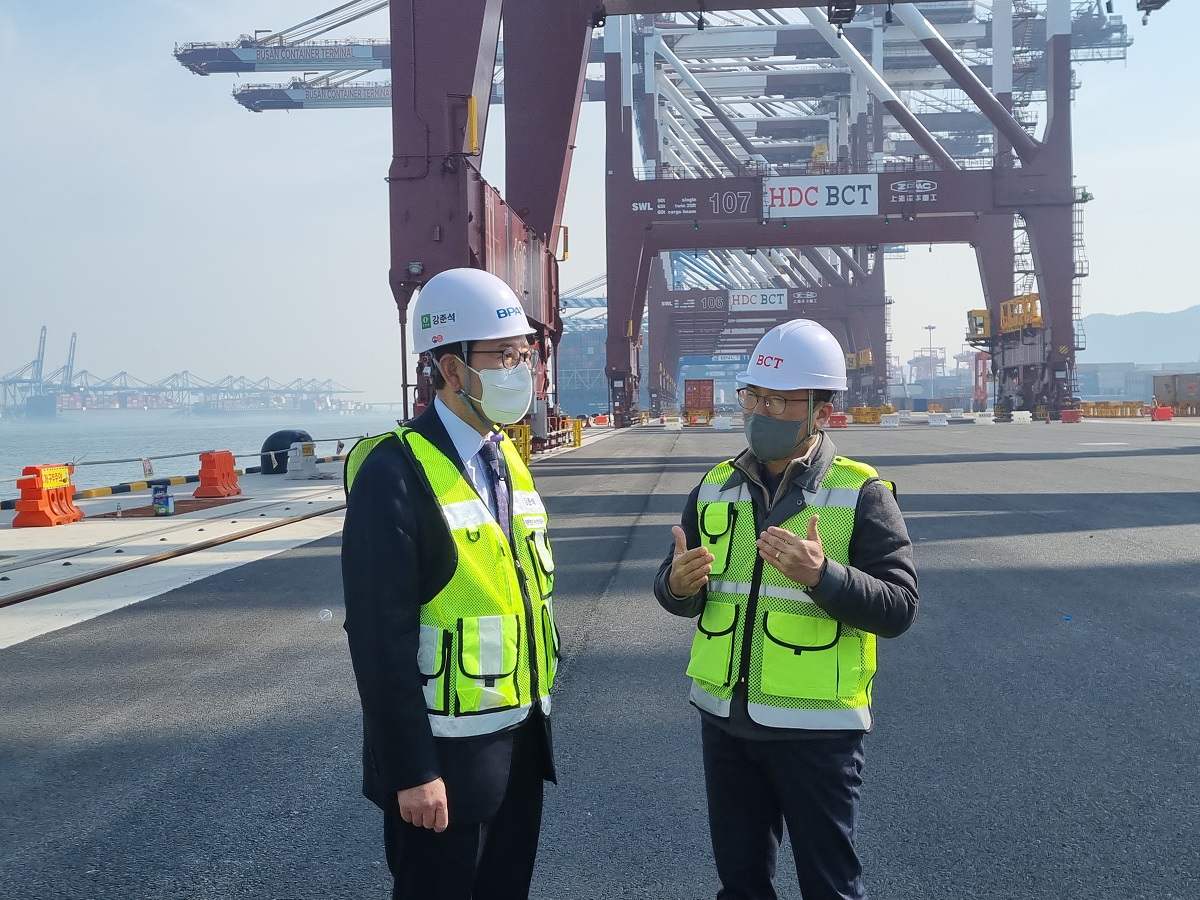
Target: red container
<point>698,394</point>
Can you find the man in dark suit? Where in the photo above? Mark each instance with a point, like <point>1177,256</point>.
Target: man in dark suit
<point>448,576</point>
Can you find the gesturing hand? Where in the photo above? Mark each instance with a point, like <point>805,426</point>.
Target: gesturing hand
<point>689,568</point>
<point>425,805</point>
<point>800,559</point>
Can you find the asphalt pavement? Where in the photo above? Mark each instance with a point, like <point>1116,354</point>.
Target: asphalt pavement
<point>1036,729</point>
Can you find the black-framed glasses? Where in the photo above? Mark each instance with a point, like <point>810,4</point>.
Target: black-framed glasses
<point>773,404</point>
<point>511,357</point>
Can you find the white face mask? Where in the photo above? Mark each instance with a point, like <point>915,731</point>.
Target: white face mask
<point>507,393</point>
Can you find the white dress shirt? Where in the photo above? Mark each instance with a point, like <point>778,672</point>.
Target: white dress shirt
<point>467,442</point>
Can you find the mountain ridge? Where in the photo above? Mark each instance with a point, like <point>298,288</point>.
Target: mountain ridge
<point>1143,337</point>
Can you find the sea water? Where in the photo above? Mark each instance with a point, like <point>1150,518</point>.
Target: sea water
<point>86,437</point>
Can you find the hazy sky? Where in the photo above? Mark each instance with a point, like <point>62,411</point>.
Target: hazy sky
<point>147,211</point>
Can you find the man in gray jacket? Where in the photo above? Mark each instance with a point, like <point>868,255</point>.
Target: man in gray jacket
<point>796,560</point>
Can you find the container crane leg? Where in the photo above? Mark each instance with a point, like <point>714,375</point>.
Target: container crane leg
<point>443,214</point>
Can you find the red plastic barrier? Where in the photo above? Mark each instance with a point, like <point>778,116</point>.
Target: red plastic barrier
<point>46,497</point>
<point>217,475</point>
<point>838,420</point>
<point>1071,415</point>
<point>1161,414</point>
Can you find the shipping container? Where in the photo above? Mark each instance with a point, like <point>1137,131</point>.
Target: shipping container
<point>1187,388</point>
<point>698,399</point>
<point>1173,390</point>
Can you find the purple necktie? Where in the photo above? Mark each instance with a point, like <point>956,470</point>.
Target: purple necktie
<point>490,451</point>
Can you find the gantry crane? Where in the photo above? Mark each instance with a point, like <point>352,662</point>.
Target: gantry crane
<point>20,384</point>
<point>61,378</point>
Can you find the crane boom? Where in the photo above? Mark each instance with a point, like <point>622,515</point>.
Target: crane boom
<point>300,94</point>
<point>293,48</point>
<point>248,55</point>
<point>340,90</point>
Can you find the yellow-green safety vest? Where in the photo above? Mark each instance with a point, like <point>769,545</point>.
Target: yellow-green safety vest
<point>801,668</point>
<point>489,645</point>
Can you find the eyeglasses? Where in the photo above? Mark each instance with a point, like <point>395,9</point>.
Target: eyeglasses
<point>511,357</point>
<point>773,404</point>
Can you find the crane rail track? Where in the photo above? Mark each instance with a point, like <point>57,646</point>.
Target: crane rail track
<point>64,584</point>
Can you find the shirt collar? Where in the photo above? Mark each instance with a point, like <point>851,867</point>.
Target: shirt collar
<point>466,439</point>
<point>808,471</point>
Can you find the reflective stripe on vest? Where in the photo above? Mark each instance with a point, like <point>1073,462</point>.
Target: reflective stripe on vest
<point>802,669</point>
<point>479,633</point>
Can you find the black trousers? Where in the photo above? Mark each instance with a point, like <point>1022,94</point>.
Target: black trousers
<point>490,860</point>
<point>754,787</point>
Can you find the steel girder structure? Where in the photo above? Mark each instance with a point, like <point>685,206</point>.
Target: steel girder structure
<point>443,214</point>
<point>334,70</point>
<point>768,88</point>
<point>773,90</point>
<point>931,199</point>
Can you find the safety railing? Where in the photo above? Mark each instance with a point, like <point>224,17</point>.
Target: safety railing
<point>522,438</point>
<point>247,43</point>
<point>224,473</point>
<point>1112,409</point>
<point>561,432</point>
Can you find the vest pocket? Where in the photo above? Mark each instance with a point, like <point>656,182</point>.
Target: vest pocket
<point>543,561</point>
<point>799,656</point>
<point>850,666</point>
<point>712,647</point>
<point>716,533</point>
<point>550,644</point>
<point>488,658</point>
<point>433,655</point>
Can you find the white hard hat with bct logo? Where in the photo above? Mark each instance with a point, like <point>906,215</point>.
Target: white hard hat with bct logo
<point>797,355</point>
<point>465,305</point>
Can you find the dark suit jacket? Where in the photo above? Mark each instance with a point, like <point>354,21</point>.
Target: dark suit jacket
<point>397,554</point>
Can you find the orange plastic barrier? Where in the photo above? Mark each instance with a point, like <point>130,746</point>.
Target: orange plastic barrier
<point>217,477</point>
<point>1071,415</point>
<point>46,497</point>
<point>838,420</point>
<point>602,419</point>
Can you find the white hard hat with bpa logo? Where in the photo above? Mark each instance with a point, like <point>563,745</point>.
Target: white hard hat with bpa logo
<point>465,305</point>
<point>797,355</point>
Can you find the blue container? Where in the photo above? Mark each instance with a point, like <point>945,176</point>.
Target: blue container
<point>920,404</point>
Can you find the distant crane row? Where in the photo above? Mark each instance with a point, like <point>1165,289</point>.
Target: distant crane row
<point>28,381</point>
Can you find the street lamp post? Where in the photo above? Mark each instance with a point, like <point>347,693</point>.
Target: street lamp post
<point>930,329</point>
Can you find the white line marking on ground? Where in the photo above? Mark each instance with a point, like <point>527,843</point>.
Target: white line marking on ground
<point>62,609</point>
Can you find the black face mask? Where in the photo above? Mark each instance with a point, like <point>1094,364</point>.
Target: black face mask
<point>773,439</point>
